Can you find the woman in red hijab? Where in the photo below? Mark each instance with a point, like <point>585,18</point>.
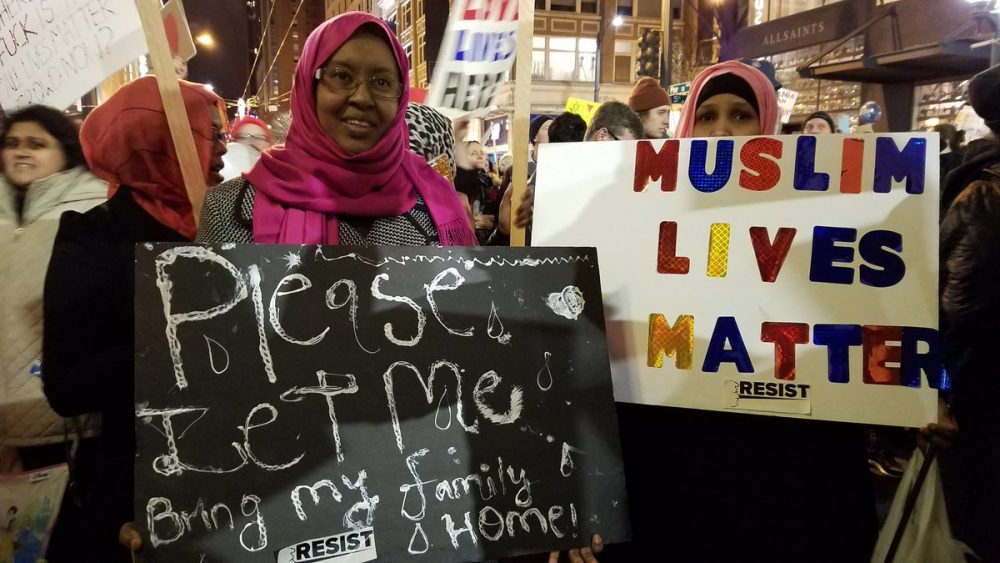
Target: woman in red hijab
<point>345,174</point>
<point>88,329</point>
<point>739,487</point>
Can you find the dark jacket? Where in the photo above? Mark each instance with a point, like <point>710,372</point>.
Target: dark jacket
<point>969,171</point>
<point>89,345</point>
<point>970,325</point>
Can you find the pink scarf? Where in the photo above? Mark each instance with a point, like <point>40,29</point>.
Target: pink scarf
<point>767,100</point>
<point>303,186</point>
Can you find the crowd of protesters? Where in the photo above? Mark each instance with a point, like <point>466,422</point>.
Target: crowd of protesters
<point>363,166</point>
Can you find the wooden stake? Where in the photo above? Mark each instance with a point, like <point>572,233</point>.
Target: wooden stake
<point>522,114</point>
<point>173,104</point>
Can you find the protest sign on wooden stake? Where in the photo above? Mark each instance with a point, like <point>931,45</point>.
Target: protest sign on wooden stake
<point>520,143</point>
<point>56,50</point>
<point>791,275</point>
<point>173,105</point>
<point>476,55</point>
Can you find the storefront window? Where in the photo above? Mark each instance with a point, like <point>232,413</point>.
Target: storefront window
<point>563,58</point>
<point>766,10</point>
<point>562,5</point>
<point>939,103</point>
<point>814,95</point>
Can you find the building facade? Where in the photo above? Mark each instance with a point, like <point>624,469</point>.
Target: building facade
<point>285,32</point>
<point>909,56</point>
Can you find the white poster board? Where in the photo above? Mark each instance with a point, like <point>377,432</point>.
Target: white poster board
<point>756,212</point>
<point>477,53</point>
<point>786,103</point>
<point>56,50</point>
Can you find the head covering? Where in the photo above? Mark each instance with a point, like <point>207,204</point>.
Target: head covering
<point>127,142</point>
<point>305,184</point>
<point>647,94</point>
<point>821,115</point>
<point>728,84</point>
<point>766,68</point>
<point>760,87</point>
<point>432,136</point>
<point>536,125</point>
<point>250,120</point>
<point>984,95</point>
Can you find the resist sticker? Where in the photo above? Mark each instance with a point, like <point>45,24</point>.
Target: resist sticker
<point>350,547</point>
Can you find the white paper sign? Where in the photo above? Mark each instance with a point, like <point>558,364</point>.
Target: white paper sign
<point>786,103</point>
<point>54,51</point>
<point>768,275</point>
<point>476,54</point>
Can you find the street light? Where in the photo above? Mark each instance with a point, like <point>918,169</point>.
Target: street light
<point>205,38</point>
<point>617,22</point>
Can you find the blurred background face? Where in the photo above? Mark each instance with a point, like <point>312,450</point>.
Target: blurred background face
<point>656,121</point>
<point>477,156</point>
<point>30,153</point>
<point>543,133</point>
<point>253,136</point>
<point>816,126</point>
<point>726,115</point>
<point>218,150</point>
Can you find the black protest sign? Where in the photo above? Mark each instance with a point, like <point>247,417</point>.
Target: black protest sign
<point>302,403</point>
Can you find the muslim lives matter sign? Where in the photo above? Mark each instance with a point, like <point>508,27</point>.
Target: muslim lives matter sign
<point>53,51</point>
<point>792,275</point>
<point>300,403</point>
<point>477,52</point>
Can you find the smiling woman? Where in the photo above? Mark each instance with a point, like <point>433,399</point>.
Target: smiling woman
<point>345,174</point>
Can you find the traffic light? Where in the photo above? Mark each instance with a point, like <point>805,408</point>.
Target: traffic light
<point>650,44</point>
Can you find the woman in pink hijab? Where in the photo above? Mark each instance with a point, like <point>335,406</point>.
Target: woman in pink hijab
<point>739,487</point>
<point>345,174</point>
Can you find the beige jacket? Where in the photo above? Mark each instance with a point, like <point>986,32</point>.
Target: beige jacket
<point>25,247</point>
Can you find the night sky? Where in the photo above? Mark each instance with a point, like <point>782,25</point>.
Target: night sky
<point>224,66</point>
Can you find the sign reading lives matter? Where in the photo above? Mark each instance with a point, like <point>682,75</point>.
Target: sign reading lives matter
<point>792,276</point>
<point>477,52</point>
<point>303,403</point>
<point>53,51</point>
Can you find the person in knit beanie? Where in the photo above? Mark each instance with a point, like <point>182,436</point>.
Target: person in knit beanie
<point>538,133</point>
<point>817,123</point>
<point>652,103</point>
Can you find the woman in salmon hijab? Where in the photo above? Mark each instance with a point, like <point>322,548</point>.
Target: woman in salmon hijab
<point>731,99</point>
<point>345,174</point>
<point>738,487</point>
<point>88,329</point>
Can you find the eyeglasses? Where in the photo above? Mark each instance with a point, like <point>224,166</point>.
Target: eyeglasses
<point>612,135</point>
<point>218,135</point>
<point>246,136</point>
<point>380,85</point>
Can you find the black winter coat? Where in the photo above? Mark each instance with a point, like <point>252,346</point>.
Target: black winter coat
<point>970,327</point>
<point>89,347</point>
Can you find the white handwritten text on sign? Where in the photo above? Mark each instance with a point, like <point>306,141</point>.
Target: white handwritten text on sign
<point>53,51</point>
<point>456,402</point>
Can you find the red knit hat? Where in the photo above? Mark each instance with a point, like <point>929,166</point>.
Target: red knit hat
<point>647,94</point>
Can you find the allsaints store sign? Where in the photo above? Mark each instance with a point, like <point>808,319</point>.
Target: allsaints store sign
<point>827,23</point>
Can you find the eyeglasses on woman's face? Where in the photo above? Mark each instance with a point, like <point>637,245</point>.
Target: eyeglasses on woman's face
<point>380,85</point>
